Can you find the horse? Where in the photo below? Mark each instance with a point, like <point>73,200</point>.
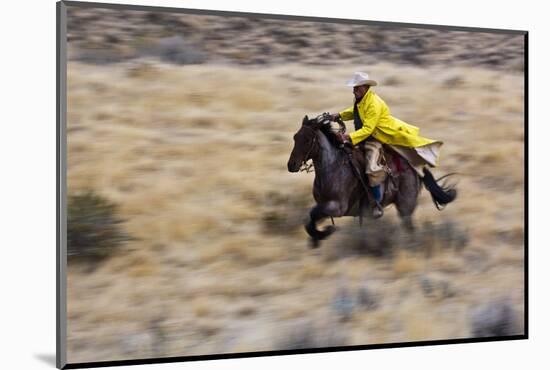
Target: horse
<point>339,186</point>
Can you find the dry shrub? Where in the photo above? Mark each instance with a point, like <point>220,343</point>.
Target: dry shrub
<point>175,50</point>
<point>377,238</point>
<point>368,298</point>
<point>497,318</point>
<point>344,303</point>
<point>384,238</point>
<point>94,54</point>
<point>305,334</point>
<point>93,227</point>
<point>142,69</point>
<point>454,82</point>
<point>431,237</point>
<point>209,328</point>
<point>436,287</point>
<point>284,213</point>
<point>392,81</point>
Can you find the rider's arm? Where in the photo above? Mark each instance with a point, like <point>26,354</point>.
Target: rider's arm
<point>347,114</point>
<point>370,119</point>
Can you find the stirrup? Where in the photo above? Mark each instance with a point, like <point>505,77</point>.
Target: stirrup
<point>377,211</point>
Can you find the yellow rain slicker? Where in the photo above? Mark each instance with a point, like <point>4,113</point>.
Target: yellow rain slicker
<point>378,122</point>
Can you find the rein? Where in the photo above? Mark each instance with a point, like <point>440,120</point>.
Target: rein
<point>304,166</point>
<point>356,171</point>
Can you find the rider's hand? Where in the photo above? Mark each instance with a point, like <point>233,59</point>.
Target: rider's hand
<point>334,116</point>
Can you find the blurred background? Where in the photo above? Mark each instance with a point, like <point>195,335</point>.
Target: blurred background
<point>185,228</point>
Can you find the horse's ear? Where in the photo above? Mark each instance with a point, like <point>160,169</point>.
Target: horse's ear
<point>305,120</point>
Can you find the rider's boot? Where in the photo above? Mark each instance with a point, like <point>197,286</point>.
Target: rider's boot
<point>377,209</point>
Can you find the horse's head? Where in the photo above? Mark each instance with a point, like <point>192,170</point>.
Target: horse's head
<point>305,144</point>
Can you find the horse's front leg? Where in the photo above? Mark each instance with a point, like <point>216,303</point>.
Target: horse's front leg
<point>319,213</point>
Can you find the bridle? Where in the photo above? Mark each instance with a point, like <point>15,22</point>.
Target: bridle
<point>324,118</point>
<point>304,167</point>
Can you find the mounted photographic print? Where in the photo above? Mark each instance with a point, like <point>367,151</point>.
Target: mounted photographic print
<point>236,184</point>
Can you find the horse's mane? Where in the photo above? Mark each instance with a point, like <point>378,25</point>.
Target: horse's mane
<point>330,135</point>
<point>326,130</point>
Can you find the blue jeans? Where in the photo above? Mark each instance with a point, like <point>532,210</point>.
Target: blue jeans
<point>377,193</point>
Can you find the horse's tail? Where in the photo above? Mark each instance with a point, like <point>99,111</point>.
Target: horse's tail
<point>441,195</point>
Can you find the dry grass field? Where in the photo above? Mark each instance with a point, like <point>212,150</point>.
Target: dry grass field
<point>195,156</point>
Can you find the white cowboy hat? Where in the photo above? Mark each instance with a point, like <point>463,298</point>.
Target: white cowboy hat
<point>361,78</point>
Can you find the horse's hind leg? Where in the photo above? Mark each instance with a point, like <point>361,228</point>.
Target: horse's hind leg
<point>407,223</point>
<point>317,214</point>
<point>407,199</point>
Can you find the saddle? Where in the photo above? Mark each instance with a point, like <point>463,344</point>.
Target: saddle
<point>393,165</point>
<point>392,162</point>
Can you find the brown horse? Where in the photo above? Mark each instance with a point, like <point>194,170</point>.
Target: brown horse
<point>337,188</point>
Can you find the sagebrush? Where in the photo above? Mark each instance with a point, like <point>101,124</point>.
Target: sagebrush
<point>94,230</point>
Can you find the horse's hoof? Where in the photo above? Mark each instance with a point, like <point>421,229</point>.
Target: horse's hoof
<point>310,229</point>
<point>314,243</point>
<point>331,229</point>
<point>327,231</point>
